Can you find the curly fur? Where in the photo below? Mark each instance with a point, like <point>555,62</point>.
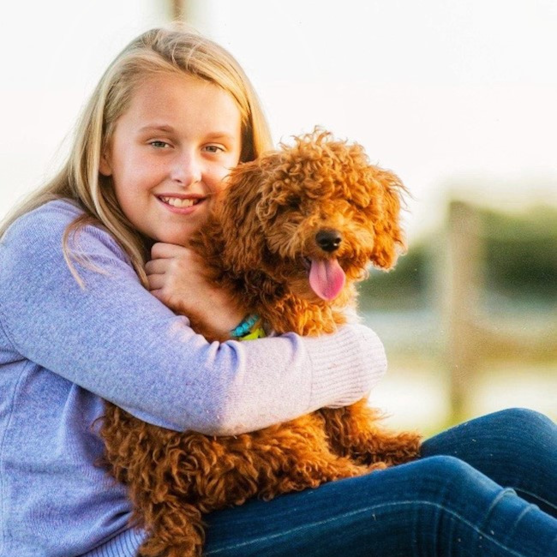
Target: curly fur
<point>273,208</point>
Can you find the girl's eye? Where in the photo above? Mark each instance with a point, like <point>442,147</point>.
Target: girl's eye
<point>159,144</point>
<point>214,149</point>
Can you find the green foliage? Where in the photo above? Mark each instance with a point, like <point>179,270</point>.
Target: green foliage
<point>519,262</point>
<point>404,287</point>
<point>521,253</point>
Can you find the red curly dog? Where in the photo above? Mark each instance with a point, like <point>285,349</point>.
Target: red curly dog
<point>307,220</point>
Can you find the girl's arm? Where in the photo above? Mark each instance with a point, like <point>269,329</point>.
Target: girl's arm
<point>115,339</point>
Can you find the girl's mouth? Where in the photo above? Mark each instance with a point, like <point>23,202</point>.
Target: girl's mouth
<point>180,203</point>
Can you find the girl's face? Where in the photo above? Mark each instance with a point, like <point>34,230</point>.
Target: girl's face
<point>170,152</point>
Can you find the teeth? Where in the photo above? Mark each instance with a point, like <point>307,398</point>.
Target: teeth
<point>177,202</point>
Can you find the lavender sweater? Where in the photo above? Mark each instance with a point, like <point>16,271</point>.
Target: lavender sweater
<point>63,349</point>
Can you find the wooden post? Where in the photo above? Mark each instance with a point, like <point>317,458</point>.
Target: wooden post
<point>463,289</point>
<point>182,10</point>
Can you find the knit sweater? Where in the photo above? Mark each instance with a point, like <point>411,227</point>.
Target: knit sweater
<point>64,348</point>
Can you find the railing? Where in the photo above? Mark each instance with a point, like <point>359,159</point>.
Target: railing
<point>472,336</point>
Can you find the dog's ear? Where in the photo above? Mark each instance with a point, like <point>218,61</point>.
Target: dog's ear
<point>237,212</point>
<point>389,238</point>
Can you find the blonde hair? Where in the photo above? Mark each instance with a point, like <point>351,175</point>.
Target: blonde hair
<point>173,49</point>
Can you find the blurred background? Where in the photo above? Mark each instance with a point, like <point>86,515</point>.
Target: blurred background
<point>458,98</point>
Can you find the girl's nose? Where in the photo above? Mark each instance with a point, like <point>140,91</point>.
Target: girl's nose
<point>186,170</point>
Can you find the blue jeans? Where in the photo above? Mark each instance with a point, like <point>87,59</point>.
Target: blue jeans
<point>485,488</point>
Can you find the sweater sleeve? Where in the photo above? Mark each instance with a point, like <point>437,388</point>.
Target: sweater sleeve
<point>113,338</point>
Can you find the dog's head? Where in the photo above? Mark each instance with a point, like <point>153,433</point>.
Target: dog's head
<point>312,216</point>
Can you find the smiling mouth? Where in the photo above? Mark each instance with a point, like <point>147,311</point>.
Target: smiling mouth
<point>180,203</point>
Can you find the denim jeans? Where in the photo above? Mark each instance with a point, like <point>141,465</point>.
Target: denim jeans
<point>485,488</point>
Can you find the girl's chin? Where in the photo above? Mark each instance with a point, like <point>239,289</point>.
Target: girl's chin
<point>178,237</point>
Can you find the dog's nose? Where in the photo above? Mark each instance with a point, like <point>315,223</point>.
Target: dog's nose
<point>328,239</point>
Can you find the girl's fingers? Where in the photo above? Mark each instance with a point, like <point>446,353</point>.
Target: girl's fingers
<point>156,266</point>
<point>171,258</point>
<point>161,250</point>
<point>156,282</point>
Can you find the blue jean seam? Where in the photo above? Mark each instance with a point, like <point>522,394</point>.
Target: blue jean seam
<point>360,511</point>
<point>535,496</point>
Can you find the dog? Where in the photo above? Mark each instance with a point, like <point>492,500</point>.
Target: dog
<point>307,221</point>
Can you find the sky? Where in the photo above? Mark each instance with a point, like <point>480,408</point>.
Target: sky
<point>459,98</point>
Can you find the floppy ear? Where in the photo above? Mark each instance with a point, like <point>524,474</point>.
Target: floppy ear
<point>389,238</point>
<point>244,244</point>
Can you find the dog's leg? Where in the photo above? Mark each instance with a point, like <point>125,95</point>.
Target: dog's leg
<point>355,432</point>
<point>145,457</point>
<point>178,532</point>
<point>296,456</point>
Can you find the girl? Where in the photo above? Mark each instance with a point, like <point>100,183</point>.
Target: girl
<point>89,268</point>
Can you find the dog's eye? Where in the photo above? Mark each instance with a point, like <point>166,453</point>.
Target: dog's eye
<point>293,201</point>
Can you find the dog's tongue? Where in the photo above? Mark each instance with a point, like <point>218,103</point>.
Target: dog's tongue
<point>326,278</point>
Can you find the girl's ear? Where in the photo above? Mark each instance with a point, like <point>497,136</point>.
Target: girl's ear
<point>105,168</point>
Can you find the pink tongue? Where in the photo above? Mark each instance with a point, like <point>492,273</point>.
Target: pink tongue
<point>326,278</point>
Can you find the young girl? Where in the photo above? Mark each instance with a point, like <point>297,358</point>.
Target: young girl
<point>89,268</point>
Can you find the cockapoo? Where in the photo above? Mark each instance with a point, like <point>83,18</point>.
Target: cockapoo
<point>306,222</point>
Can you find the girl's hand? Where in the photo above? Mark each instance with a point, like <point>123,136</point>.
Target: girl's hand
<point>177,277</point>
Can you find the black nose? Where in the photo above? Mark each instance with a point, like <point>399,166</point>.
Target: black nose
<point>328,239</point>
